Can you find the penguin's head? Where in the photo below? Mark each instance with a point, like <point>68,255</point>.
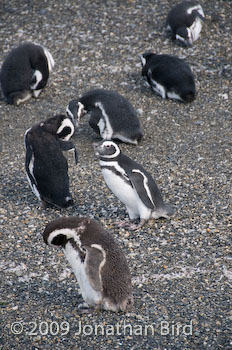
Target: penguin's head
<point>145,57</point>
<point>75,110</point>
<point>183,36</point>
<point>60,231</point>
<point>106,149</point>
<point>59,125</point>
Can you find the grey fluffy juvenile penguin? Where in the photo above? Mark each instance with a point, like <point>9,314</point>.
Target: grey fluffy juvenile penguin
<point>45,164</point>
<point>132,184</point>
<point>169,76</point>
<point>97,261</point>
<point>184,22</point>
<point>25,72</point>
<point>111,115</point>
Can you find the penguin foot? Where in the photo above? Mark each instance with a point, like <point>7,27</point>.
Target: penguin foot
<point>123,223</point>
<point>135,227</point>
<point>83,306</point>
<point>129,225</point>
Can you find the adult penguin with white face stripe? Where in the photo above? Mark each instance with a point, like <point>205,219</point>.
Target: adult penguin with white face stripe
<point>45,164</point>
<point>25,72</point>
<point>111,115</point>
<point>184,22</point>
<point>132,184</point>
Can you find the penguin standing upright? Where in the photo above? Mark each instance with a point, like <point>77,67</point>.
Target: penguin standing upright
<point>45,164</point>
<point>25,72</point>
<point>184,21</point>
<point>97,261</point>
<point>169,76</point>
<point>111,115</point>
<point>132,184</point>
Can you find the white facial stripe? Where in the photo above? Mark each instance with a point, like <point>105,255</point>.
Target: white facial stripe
<point>69,113</point>
<point>143,60</point>
<point>50,59</point>
<point>197,8</point>
<point>178,37</point>
<point>68,232</point>
<point>38,75</point>
<point>111,143</point>
<point>145,184</point>
<point>66,123</point>
<point>108,131</point>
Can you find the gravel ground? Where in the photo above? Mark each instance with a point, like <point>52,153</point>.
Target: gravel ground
<point>181,268</point>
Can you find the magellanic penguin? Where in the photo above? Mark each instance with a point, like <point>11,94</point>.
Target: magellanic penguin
<point>184,22</point>
<point>97,261</point>
<point>132,184</point>
<point>111,115</point>
<point>45,164</point>
<point>169,76</point>
<point>25,72</point>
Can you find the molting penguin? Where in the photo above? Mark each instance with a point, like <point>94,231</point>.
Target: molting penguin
<point>111,115</point>
<point>184,21</point>
<point>97,261</point>
<point>25,72</point>
<point>169,76</point>
<point>45,164</point>
<point>132,184</point>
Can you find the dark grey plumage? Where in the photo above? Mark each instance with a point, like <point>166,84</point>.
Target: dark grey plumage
<point>96,259</point>
<point>25,72</point>
<point>45,164</point>
<point>184,22</point>
<point>111,115</point>
<point>169,76</point>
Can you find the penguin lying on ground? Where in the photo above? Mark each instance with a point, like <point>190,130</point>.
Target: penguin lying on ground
<point>132,184</point>
<point>25,72</point>
<point>46,166</point>
<point>111,115</point>
<point>184,21</point>
<point>169,76</point>
<point>97,261</point>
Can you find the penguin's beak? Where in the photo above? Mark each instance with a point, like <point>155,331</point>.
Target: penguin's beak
<point>96,147</point>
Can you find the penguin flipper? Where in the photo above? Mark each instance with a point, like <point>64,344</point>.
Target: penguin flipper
<point>95,117</point>
<point>140,183</point>
<point>93,265</point>
<point>29,155</point>
<point>69,146</point>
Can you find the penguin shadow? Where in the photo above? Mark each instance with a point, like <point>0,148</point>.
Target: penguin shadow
<point>16,192</point>
<point>55,293</point>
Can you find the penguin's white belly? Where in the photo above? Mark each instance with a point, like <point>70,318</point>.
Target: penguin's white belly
<point>89,294</point>
<point>126,194</point>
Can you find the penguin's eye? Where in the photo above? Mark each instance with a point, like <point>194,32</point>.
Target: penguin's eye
<point>107,146</point>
